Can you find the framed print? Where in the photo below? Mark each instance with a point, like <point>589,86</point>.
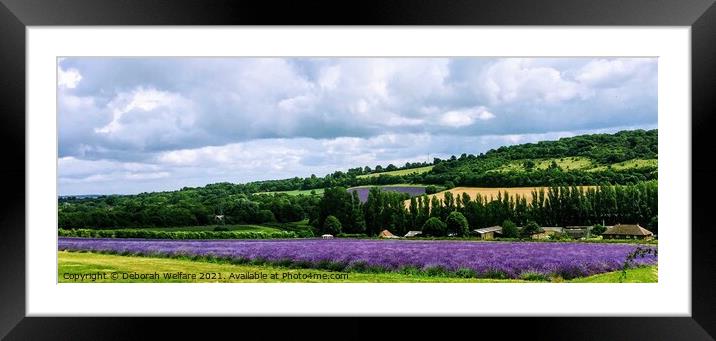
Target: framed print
<point>508,174</point>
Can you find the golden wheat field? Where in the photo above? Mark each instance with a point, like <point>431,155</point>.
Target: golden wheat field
<point>492,192</point>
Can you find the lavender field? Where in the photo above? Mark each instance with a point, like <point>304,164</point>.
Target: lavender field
<point>512,260</point>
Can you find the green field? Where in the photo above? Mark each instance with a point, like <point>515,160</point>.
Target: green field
<point>75,263</point>
<point>630,164</point>
<point>576,163</point>
<point>418,170</point>
<point>648,274</point>
<point>317,191</point>
<point>566,163</point>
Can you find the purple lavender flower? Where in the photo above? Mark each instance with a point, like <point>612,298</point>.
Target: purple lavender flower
<point>512,259</point>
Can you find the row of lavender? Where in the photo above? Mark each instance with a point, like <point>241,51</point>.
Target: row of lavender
<point>513,260</point>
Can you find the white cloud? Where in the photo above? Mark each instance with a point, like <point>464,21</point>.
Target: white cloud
<point>146,176</point>
<point>329,77</point>
<point>614,72</point>
<point>72,103</point>
<point>394,120</point>
<point>73,170</point>
<point>249,155</point>
<point>465,117</point>
<point>242,119</point>
<point>68,78</point>
<point>72,166</point>
<point>514,79</point>
<point>296,104</point>
<point>429,110</point>
<point>141,100</point>
<point>298,155</point>
<point>513,138</point>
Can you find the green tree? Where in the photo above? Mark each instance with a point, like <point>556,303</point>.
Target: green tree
<point>337,202</point>
<point>529,165</point>
<point>598,229</point>
<point>449,203</point>
<point>434,227</point>
<point>457,223</point>
<point>554,165</point>
<point>436,207</point>
<point>332,225</point>
<point>265,216</point>
<point>509,229</point>
<point>373,211</point>
<point>413,210</point>
<point>357,218</point>
<point>530,229</point>
<point>653,225</point>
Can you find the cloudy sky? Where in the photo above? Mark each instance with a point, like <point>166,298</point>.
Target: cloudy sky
<point>130,125</point>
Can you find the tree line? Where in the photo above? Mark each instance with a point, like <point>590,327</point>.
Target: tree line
<point>555,206</point>
<point>210,205</point>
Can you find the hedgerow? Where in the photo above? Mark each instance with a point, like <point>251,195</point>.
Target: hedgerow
<point>149,234</point>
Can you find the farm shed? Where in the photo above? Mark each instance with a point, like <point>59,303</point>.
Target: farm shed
<point>327,236</point>
<point>386,234</point>
<point>550,230</point>
<point>411,234</point>
<point>577,232</point>
<point>540,235</point>
<point>627,231</point>
<point>488,233</point>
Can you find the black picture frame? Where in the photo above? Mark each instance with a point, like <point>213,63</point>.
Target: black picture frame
<point>16,15</point>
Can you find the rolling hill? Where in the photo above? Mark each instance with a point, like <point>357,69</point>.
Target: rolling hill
<point>623,158</point>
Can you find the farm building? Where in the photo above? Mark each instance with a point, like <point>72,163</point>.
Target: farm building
<point>327,236</point>
<point>540,235</point>
<point>577,232</point>
<point>386,234</point>
<point>627,231</point>
<point>411,234</point>
<point>488,233</point>
<point>550,230</point>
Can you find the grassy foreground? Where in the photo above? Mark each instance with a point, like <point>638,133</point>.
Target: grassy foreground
<point>72,265</point>
<point>647,274</point>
